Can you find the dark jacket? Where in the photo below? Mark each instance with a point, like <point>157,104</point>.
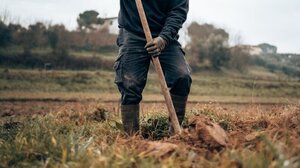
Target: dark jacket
<point>165,17</point>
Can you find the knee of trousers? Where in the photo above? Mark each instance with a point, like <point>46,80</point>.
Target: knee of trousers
<point>131,94</point>
<point>182,85</point>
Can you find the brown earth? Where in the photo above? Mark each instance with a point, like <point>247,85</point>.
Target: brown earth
<point>204,145</point>
<point>246,125</point>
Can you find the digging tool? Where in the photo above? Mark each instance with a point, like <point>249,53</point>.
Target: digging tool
<point>157,66</point>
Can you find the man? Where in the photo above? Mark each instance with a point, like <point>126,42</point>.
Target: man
<point>165,18</point>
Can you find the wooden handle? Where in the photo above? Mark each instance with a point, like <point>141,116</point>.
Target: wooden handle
<point>157,66</point>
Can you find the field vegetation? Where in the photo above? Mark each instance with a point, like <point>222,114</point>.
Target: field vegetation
<point>254,84</point>
<point>76,136</point>
<point>54,119</point>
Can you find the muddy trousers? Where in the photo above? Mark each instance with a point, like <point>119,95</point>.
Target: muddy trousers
<point>132,66</point>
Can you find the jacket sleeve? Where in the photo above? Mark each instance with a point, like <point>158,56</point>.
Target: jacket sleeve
<point>175,19</point>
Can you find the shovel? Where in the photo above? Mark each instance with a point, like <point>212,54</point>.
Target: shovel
<point>158,69</point>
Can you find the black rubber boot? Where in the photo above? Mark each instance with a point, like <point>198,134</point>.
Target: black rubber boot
<point>179,103</point>
<point>130,119</point>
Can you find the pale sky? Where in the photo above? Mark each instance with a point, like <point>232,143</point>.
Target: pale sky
<point>256,21</point>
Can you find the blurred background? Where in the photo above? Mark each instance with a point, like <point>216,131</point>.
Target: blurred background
<point>238,50</point>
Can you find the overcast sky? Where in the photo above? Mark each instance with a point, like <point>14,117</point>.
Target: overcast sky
<point>256,21</point>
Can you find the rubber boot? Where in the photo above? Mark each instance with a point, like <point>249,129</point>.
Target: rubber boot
<point>179,103</point>
<point>130,119</point>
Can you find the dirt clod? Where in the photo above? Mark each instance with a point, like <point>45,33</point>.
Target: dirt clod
<point>158,149</point>
<point>202,134</point>
<point>208,132</point>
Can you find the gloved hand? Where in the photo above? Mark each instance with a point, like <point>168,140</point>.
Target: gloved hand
<point>155,47</point>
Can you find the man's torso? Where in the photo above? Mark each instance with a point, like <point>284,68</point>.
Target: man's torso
<point>156,12</point>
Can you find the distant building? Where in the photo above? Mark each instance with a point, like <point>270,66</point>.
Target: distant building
<point>267,48</point>
<point>252,50</point>
<point>259,49</point>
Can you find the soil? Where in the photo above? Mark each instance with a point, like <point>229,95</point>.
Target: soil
<point>203,136</point>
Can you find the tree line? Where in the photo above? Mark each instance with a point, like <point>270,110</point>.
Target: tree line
<point>40,35</point>
<point>61,40</point>
<point>208,47</point>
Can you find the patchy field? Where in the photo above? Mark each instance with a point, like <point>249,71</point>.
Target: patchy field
<point>58,119</point>
<point>72,134</point>
<point>253,84</point>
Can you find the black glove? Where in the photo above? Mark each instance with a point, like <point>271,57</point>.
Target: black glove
<point>155,47</point>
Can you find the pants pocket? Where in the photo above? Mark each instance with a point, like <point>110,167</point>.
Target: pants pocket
<point>118,66</point>
<point>118,70</point>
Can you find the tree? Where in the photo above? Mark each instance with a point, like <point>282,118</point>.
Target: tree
<point>4,34</point>
<point>87,19</point>
<point>34,36</point>
<point>53,35</point>
<point>15,33</point>
<point>37,34</point>
<point>240,58</point>
<point>208,44</point>
<point>58,38</point>
<point>218,55</point>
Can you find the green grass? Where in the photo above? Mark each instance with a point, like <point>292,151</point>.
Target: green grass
<point>204,84</point>
<point>57,81</point>
<point>66,140</point>
<point>107,56</point>
<point>14,50</point>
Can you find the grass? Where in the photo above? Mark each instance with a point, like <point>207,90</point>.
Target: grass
<point>65,140</point>
<point>13,50</point>
<point>57,81</point>
<point>204,84</point>
<point>50,141</point>
<point>108,55</point>
<point>75,139</point>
